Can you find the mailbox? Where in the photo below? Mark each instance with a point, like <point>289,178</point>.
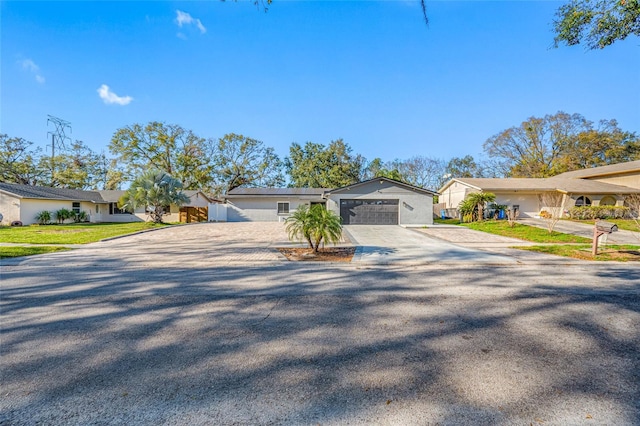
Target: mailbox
<point>606,227</point>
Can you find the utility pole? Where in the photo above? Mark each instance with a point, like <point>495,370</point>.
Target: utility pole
<point>58,138</point>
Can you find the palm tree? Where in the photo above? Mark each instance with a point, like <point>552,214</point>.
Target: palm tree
<point>314,225</point>
<point>325,225</point>
<point>154,190</point>
<point>480,199</point>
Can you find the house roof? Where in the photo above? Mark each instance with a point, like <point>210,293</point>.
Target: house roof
<point>275,192</point>
<point>393,181</point>
<point>612,169</point>
<point>556,183</point>
<point>48,193</point>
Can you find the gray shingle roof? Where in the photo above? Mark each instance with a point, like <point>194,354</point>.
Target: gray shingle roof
<point>547,184</point>
<point>629,166</point>
<point>47,193</point>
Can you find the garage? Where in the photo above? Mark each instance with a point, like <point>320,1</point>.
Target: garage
<point>369,211</point>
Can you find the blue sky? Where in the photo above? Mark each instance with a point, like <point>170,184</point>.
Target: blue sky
<point>369,72</point>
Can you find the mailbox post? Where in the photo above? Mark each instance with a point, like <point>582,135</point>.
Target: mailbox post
<point>601,228</point>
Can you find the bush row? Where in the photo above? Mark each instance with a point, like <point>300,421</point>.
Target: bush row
<point>45,217</point>
<point>600,212</point>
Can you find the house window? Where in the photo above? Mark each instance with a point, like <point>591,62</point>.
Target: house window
<point>608,201</point>
<point>75,206</point>
<point>283,207</point>
<point>114,209</point>
<point>583,201</point>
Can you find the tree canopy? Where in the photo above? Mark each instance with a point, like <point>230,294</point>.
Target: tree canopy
<point>242,161</point>
<point>317,166</point>
<point>553,144</point>
<point>597,23</point>
<point>19,162</point>
<point>166,147</point>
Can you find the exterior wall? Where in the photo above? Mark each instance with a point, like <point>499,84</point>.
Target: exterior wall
<point>454,194</point>
<point>415,208</point>
<point>630,180</point>
<point>10,208</point>
<point>197,200</point>
<point>260,209</point>
<point>528,202</point>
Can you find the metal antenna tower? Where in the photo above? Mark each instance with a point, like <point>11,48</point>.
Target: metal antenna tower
<point>58,137</point>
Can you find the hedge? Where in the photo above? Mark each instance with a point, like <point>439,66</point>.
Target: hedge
<point>600,212</point>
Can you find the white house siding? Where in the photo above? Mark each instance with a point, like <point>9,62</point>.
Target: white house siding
<point>415,207</point>
<point>260,209</point>
<point>630,180</point>
<point>529,205</point>
<point>10,208</point>
<point>454,194</point>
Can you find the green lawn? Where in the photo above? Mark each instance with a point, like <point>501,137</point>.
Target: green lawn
<point>522,232</point>
<point>623,224</point>
<point>74,233</point>
<point>620,253</point>
<point>28,251</point>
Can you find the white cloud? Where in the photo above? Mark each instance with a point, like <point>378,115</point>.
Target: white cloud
<point>111,98</point>
<point>183,18</point>
<point>30,66</point>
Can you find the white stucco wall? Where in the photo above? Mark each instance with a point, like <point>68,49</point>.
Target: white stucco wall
<point>454,194</point>
<point>529,205</point>
<point>415,207</point>
<point>631,180</point>
<point>260,209</point>
<point>10,208</point>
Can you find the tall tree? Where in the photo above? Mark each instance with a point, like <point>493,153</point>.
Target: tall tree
<point>242,161</point>
<point>542,147</point>
<point>464,167</point>
<point>317,166</point>
<point>154,190</point>
<point>598,23</point>
<point>78,167</point>
<point>425,172</point>
<point>376,168</point>
<point>19,163</point>
<point>166,147</point>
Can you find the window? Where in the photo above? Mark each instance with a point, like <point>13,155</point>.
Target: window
<point>583,201</point>
<point>114,209</point>
<point>283,207</point>
<point>75,206</point>
<point>608,201</point>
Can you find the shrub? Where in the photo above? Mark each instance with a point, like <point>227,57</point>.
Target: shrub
<point>44,217</point>
<point>545,214</point>
<point>63,214</point>
<point>81,217</point>
<point>599,212</point>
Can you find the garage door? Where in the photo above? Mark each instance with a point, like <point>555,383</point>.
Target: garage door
<point>369,212</point>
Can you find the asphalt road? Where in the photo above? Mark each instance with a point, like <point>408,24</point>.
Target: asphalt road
<point>90,339</point>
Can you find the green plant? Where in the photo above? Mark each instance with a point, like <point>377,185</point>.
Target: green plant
<point>599,212</point>
<point>62,215</point>
<point>472,207</point>
<point>81,217</point>
<point>44,217</point>
<point>154,190</point>
<point>314,225</point>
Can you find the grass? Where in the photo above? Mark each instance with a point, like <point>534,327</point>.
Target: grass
<point>623,224</point>
<point>524,232</point>
<point>620,253</point>
<point>519,231</point>
<point>73,233</point>
<point>6,252</point>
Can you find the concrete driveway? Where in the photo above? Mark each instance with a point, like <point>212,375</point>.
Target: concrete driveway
<point>383,245</point>
<point>197,325</point>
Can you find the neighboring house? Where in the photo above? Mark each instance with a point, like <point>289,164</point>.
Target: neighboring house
<point>23,202</point>
<point>379,201</point>
<point>607,185</point>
